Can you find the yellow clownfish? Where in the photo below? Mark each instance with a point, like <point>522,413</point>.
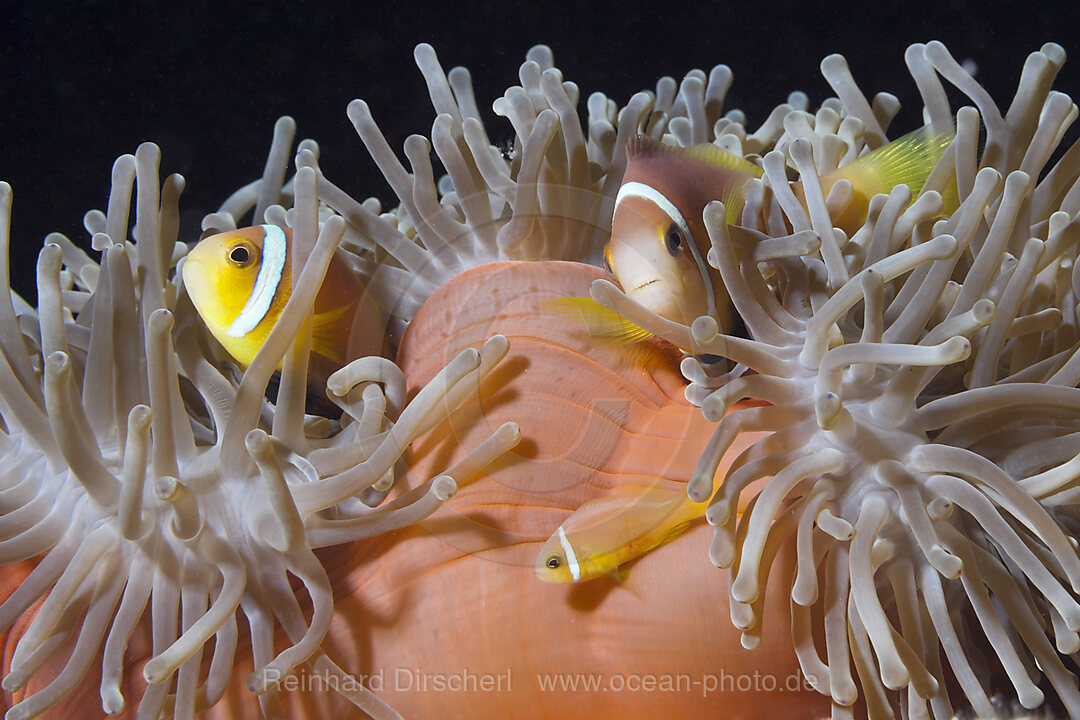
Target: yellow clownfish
<point>240,281</point>
<point>659,243</point>
<point>607,532</point>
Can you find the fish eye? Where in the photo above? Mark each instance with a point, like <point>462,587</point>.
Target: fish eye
<point>554,562</point>
<point>673,240</point>
<point>241,255</point>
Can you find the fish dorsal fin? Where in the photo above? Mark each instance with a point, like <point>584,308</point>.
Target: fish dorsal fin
<point>710,160</point>
<point>659,504</point>
<point>720,158</point>
<point>908,160</point>
<point>601,321</point>
<point>643,146</point>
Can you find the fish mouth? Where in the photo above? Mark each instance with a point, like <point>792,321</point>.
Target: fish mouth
<point>644,284</point>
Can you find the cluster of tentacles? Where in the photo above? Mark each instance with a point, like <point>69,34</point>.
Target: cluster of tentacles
<point>155,485</point>
<point>923,447</point>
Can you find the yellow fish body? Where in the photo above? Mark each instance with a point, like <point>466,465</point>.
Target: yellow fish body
<point>239,282</point>
<point>659,243</point>
<point>607,532</point>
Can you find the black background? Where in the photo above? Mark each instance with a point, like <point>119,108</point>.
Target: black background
<point>80,86</point>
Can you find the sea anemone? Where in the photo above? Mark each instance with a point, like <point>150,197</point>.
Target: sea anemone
<point>918,449</point>
<point>108,388</point>
<point>922,449</point>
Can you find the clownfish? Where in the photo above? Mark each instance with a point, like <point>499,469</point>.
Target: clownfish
<point>239,282</point>
<point>659,243</point>
<point>607,532</point>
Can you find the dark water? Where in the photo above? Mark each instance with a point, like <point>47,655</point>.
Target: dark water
<point>80,86</point>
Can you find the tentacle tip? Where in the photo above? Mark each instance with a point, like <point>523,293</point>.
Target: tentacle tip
<point>1031,698</point>
<point>256,683</point>
<point>57,362</point>
<point>895,676</point>
<point>742,616</point>
<point>844,693</point>
<point>444,487</point>
<point>745,590</point>
<point>499,344</point>
<point>513,433</point>
<point>358,110</point>
<point>705,329</point>
<point>337,386</point>
<point>1068,643</point>
<point>827,410</point>
<point>601,289</point>
<point>10,683</point>
<point>147,147</point>
<point>699,489</point>
<point>385,482</point>
<point>946,563</point>
<point>155,672</point>
<point>256,440</point>
<point>713,409</point>
<point>112,701</point>
<point>164,488</point>
<point>140,416</point>
<point>804,596</point>
<point>161,318</point>
<point>715,212</point>
<point>939,509</point>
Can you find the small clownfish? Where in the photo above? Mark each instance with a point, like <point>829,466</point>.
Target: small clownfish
<point>659,243</point>
<point>239,282</point>
<point>607,532</point>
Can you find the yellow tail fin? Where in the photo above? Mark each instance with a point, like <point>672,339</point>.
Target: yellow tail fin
<point>907,160</point>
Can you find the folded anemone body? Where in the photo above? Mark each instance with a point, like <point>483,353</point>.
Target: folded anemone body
<point>909,485</point>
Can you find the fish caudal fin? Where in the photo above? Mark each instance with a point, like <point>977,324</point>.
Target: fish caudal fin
<point>601,321</point>
<point>905,161</point>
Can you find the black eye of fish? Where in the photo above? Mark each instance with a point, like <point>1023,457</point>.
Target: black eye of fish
<point>240,256</point>
<point>554,562</point>
<point>673,240</point>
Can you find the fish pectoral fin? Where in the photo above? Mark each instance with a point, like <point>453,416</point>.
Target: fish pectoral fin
<point>674,533</point>
<point>620,573</point>
<point>328,331</point>
<point>601,321</point>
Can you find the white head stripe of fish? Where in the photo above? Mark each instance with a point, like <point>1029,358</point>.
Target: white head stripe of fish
<point>636,189</point>
<point>266,284</point>
<point>571,557</point>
